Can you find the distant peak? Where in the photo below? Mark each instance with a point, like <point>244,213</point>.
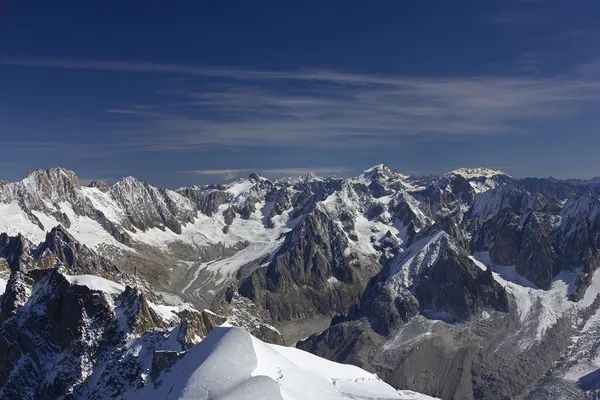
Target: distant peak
<point>52,182</point>
<point>376,172</point>
<point>310,177</point>
<point>380,171</point>
<point>377,168</point>
<point>51,173</point>
<point>475,172</point>
<point>129,180</point>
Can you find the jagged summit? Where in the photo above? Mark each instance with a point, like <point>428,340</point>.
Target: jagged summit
<point>52,173</point>
<point>312,177</point>
<point>381,172</point>
<point>475,172</point>
<point>378,171</point>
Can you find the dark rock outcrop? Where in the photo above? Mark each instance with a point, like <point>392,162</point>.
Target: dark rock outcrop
<point>297,284</point>
<point>77,258</point>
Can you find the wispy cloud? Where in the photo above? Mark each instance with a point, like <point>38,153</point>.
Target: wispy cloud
<point>230,73</point>
<point>234,173</point>
<point>332,109</point>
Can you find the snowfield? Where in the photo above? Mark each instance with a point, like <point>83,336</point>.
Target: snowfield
<point>232,364</point>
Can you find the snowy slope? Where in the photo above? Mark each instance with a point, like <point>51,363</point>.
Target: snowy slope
<point>540,309</point>
<point>231,364</point>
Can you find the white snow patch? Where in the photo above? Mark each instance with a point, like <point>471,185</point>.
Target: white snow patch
<point>13,221</point>
<point>103,202</point>
<point>88,231</point>
<point>173,300</point>
<point>166,313</point>
<point>238,188</point>
<point>95,282</point>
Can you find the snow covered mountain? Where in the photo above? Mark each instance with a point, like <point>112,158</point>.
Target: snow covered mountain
<point>447,285</point>
<point>83,336</point>
<point>230,364</point>
<point>475,172</point>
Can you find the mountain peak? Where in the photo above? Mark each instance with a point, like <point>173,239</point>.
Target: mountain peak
<point>56,174</point>
<point>377,171</point>
<point>475,172</point>
<point>377,167</point>
<point>51,171</point>
<point>310,177</point>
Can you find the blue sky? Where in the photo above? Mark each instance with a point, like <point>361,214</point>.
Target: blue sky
<point>189,92</point>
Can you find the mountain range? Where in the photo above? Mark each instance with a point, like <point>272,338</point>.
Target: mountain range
<point>472,284</point>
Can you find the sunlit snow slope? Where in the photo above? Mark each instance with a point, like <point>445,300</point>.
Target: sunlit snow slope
<point>231,364</point>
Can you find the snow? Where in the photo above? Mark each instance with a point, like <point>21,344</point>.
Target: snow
<point>207,231</point>
<point>88,231</point>
<point>292,369</point>
<point>488,204</point>
<point>227,267</point>
<point>347,202</point>
<point>332,280</point>
<point>13,221</point>
<point>166,313</point>
<point>231,364</point>
<point>95,282</point>
<point>583,205</point>
<point>366,230</point>
<point>475,172</point>
<point>237,189</point>
<point>584,358</point>
<point>481,187</point>
<point>262,241</point>
<point>414,260</point>
<point>538,309</point>
<point>171,299</point>
<point>103,202</point>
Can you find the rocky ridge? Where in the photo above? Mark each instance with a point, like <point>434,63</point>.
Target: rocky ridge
<point>391,268</point>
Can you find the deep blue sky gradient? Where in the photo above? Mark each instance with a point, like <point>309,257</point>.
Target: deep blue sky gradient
<point>189,92</point>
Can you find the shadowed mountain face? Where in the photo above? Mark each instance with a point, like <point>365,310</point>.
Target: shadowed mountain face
<point>447,285</point>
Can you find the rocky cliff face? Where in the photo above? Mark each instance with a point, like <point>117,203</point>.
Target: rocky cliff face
<point>309,274</point>
<point>83,336</point>
<point>54,332</point>
<point>434,277</point>
<point>536,235</point>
